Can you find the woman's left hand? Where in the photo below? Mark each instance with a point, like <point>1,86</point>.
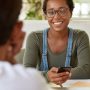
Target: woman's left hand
<point>63,77</point>
<point>57,78</point>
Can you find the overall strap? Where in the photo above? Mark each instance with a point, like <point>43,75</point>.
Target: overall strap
<point>69,48</point>
<point>44,63</point>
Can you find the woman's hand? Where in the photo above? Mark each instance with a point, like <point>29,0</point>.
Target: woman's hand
<point>57,78</point>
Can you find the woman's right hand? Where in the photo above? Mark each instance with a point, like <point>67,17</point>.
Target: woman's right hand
<point>57,78</point>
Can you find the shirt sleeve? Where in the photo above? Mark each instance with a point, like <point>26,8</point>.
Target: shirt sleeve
<point>31,56</point>
<point>83,55</point>
<point>17,77</point>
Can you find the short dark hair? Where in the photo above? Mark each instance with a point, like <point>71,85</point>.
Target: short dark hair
<point>9,12</point>
<point>70,4</point>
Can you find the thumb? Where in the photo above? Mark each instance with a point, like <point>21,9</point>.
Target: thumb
<point>54,69</point>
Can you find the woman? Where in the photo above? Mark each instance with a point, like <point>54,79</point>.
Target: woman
<point>64,46</point>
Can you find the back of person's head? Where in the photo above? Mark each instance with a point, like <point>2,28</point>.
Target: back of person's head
<point>16,77</point>
<point>9,12</point>
<point>11,34</point>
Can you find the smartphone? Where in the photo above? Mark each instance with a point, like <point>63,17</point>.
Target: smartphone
<point>64,69</point>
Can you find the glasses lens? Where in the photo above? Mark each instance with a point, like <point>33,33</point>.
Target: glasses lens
<point>50,13</point>
<point>62,11</point>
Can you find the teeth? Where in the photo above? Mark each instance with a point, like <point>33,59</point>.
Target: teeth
<point>57,23</point>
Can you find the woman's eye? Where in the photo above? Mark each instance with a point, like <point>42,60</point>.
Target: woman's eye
<point>62,11</point>
<point>50,12</point>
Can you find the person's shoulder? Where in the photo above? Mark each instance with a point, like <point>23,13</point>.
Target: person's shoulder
<point>22,78</point>
<point>16,70</point>
<point>80,35</point>
<point>79,32</point>
<point>36,35</point>
<point>36,32</point>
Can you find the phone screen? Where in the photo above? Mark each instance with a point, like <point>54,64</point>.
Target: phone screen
<point>64,69</point>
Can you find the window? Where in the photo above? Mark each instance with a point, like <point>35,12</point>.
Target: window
<point>82,8</point>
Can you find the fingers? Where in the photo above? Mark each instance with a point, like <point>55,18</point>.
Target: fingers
<point>61,78</point>
<point>52,73</point>
<point>63,74</point>
<point>57,78</point>
<point>54,69</point>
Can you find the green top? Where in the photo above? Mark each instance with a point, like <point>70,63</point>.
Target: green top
<point>80,60</point>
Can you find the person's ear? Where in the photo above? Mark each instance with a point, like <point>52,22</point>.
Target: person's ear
<point>16,29</point>
<point>17,37</point>
<point>18,26</point>
<point>71,14</point>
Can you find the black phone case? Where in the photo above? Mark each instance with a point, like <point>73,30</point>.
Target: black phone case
<point>64,69</point>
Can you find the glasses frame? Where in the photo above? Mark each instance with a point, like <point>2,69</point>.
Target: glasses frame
<point>58,11</point>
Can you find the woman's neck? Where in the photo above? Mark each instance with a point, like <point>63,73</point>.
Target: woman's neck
<point>58,34</point>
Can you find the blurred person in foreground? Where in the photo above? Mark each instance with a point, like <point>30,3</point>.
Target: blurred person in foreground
<point>59,45</point>
<point>14,76</point>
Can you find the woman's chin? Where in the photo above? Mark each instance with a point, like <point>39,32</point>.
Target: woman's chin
<point>58,29</point>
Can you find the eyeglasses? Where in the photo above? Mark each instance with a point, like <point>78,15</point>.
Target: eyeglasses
<point>62,11</point>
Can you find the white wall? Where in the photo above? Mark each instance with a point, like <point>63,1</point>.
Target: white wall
<point>33,25</point>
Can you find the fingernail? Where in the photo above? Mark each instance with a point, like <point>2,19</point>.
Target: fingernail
<point>67,73</point>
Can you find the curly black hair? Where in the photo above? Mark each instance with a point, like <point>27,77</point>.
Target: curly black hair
<point>9,12</point>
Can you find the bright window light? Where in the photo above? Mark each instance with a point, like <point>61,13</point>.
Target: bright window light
<point>76,11</point>
<point>84,9</point>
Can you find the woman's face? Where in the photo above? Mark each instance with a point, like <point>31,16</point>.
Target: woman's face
<point>58,14</point>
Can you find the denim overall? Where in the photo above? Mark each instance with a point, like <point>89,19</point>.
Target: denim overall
<point>44,62</point>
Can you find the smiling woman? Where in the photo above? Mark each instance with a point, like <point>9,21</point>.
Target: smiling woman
<point>59,45</point>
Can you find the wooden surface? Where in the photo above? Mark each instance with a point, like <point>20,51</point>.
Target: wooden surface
<point>73,85</point>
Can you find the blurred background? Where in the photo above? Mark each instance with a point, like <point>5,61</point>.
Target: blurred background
<point>32,9</point>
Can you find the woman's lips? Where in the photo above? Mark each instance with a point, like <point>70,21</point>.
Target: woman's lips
<point>58,23</point>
